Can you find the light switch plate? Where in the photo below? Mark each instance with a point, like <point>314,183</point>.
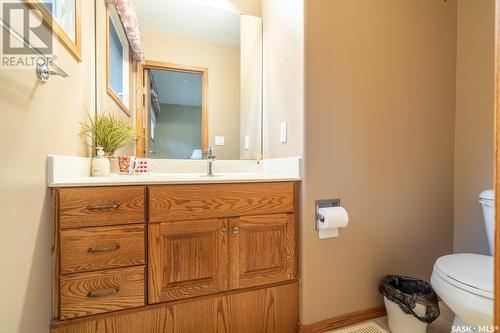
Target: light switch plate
<point>219,141</point>
<point>283,132</point>
<point>247,142</point>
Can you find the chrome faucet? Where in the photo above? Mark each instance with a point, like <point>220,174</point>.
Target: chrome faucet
<point>210,157</point>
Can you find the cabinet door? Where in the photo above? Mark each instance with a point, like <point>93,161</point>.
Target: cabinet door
<point>187,259</point>
<point>262,250</point>
<point>271,310</point>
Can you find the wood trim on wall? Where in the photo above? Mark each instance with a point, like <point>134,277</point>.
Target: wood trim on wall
<point>497,167</point>
<point>344,320</point>
<point>203,71</point>
<point>161,65</point>
<point>74,47</point>
<point>141,144</point>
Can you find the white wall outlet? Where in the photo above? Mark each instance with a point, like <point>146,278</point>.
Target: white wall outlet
<point>247,142</point>
<point>283,132</point>
<point>219,141</point>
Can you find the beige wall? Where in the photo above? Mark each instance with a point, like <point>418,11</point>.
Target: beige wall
<point>37,120</point>
<point>223,63</point>
<point>283,80</point>
<point>474,121</point>
<point>380,87</point>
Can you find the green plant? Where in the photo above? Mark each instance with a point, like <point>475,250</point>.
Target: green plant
<point>108,132</point>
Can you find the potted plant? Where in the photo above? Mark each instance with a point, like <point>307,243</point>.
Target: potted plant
<point>107,131</point>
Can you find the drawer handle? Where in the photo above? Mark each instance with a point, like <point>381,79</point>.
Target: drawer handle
<point>103,293</point>
<point>103,207</point>
<point>223,231</point>
<point>103,249</point>
<point>236,230</point>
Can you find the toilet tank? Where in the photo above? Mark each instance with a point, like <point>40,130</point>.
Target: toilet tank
<point>487,200</point>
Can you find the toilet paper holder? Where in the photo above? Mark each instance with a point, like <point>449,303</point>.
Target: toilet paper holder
<point>324,204</point>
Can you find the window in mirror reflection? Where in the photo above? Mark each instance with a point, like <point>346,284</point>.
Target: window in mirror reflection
<point>118,62</point>
<point>64,17</point>
<point>175,111</point>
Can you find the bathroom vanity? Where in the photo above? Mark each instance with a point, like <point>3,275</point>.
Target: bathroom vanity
<point>184,257</point>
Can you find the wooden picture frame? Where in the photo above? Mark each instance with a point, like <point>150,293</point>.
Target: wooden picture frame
<point>74,47</point>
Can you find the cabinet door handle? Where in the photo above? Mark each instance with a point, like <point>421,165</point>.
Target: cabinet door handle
<point>223,231</point>
<point>103,207</point>
<point>102,293</point>
<point>103,249</point>
<point>236,230</point>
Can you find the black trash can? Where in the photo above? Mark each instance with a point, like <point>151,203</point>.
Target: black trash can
<point>411,303</point>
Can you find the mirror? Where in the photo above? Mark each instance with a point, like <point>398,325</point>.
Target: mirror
<point>199,86</point>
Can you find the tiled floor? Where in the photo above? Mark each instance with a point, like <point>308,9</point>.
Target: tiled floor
<point>440,325</point>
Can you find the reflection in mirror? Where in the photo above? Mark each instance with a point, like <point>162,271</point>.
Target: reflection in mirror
<point>177,127</point>
<point>117,61</point>
<point>200,85</point>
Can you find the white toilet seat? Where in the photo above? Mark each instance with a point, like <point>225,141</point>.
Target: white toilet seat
<point>471,272</point>
<point>465,283</point>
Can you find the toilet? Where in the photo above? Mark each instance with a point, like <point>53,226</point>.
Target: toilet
<point>465,281</point>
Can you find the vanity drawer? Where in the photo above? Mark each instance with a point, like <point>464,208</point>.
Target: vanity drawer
<point>193,202</point>
<point>86,294</point>
<point>97,206</point>
<point>90,249</point>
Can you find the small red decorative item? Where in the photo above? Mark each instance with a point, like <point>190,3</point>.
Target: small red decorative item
<point>142,166</point>
<point>125,164</point>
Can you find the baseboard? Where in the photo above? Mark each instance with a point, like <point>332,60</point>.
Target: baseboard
<point>344,320</point>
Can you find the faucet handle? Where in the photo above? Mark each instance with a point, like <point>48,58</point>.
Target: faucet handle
<point>209,154</point>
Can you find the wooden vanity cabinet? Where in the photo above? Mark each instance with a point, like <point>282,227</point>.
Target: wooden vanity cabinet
<point>176,258</point>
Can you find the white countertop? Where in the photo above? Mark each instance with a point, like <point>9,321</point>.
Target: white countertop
<point>158,179</point>
<point>67,171</point>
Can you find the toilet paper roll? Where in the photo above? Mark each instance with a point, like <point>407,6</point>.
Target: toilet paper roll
<point>333,219</point>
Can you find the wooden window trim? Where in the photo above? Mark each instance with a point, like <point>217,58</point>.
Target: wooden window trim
<point>74,47</point>
<point>111,93</point>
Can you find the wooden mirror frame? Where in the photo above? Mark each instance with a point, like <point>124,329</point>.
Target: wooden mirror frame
<point>142,117</point>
